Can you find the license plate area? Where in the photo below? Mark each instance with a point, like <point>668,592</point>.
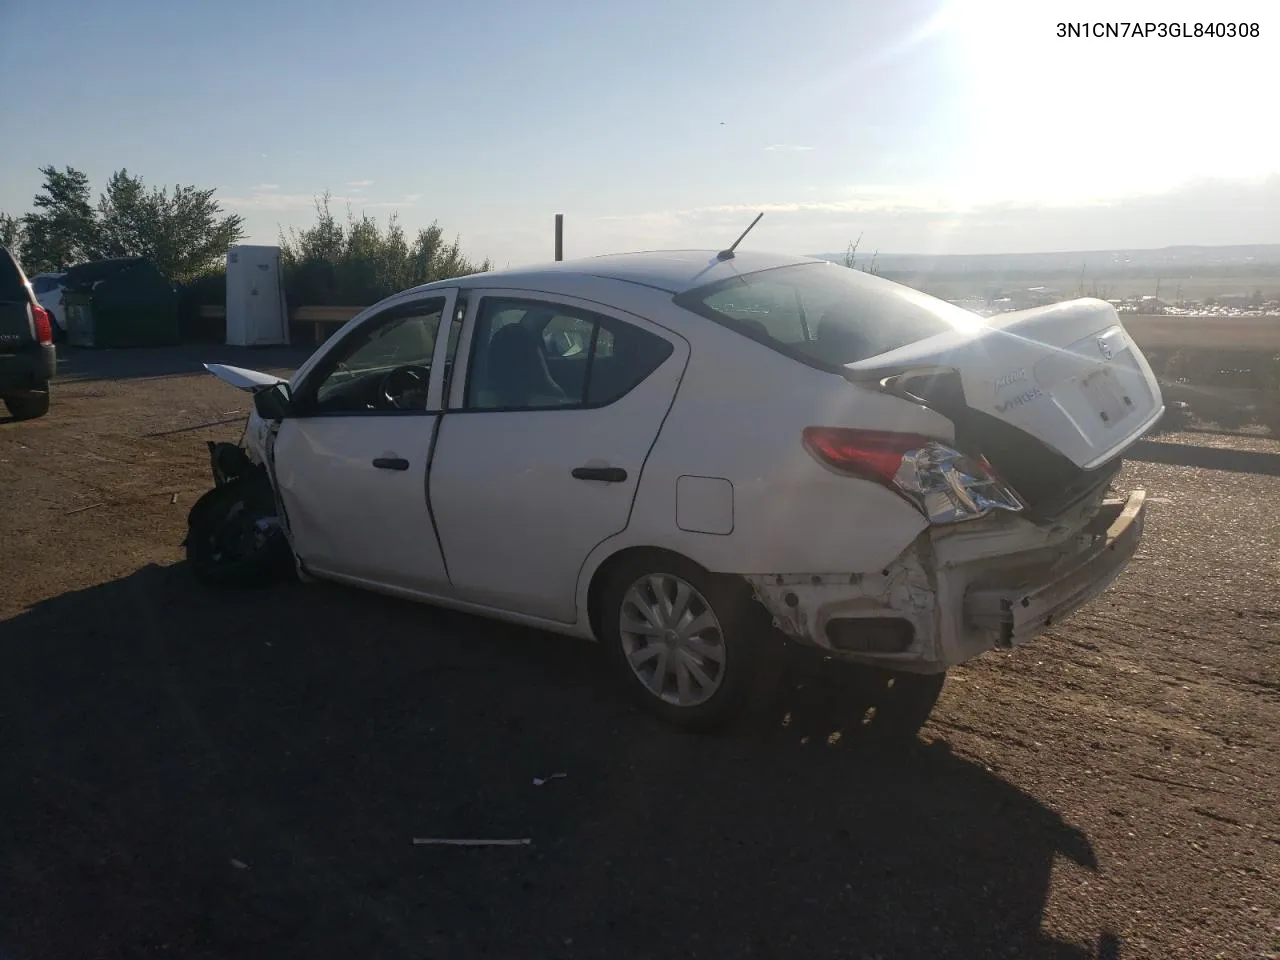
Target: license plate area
<point>1106,397</point>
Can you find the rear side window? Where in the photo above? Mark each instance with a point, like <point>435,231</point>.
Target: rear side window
<point>824,314</point>
<point>533,355</point>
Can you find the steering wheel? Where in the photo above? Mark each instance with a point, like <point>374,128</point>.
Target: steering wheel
<point>405,387</point>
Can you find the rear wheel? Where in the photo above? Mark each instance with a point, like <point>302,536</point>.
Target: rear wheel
<point>687,645</point>
<point>29,404</point>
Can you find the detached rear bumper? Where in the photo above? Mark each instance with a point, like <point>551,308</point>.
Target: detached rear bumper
<point>1014,616</point>
<point>958,592</point>
<point>31,368</point>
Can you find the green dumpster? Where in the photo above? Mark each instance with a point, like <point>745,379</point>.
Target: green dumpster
<point>124,302</point>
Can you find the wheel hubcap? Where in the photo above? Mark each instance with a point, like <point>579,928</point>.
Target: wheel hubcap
<point>672,640</point>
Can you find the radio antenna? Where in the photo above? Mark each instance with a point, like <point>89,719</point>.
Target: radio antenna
<point>728,254</point>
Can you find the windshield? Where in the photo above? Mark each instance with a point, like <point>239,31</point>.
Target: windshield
<point>824,314</point>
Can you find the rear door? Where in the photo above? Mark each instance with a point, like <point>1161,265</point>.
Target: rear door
<point>543,445</point>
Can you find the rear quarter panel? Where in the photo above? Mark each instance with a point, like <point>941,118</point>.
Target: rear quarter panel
<point>738,415</point>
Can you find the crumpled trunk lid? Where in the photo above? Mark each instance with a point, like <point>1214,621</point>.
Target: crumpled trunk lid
<point>1052,397</point>
<point>1068,375</point>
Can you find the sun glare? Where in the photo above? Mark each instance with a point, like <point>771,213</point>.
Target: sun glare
<point>1069,120</point>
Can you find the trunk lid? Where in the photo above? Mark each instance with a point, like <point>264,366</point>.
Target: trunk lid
<point>1068,375</point>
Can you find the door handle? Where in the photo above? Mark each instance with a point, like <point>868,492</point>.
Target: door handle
<point>391,463</point>
<point>607,474</point>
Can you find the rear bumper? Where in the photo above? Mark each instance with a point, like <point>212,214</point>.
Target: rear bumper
<point>1014,615</point>
<point>28,369</point>
<point>957,593</point>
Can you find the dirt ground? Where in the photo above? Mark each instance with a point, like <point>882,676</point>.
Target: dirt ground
<point>1204,333</point>
<point>191,773</point>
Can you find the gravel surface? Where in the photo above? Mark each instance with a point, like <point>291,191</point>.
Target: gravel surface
<point>193,773</point>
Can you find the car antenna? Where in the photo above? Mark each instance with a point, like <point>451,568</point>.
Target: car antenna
<point>728,254</point>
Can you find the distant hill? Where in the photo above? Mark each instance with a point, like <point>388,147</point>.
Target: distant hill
<point>1168,262</point>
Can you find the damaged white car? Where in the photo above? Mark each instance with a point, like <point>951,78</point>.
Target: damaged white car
<point>694,457</point>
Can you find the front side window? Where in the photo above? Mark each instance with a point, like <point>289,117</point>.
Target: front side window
<point>385,365</point>
<point>530,355</point>
<point>825,314</point>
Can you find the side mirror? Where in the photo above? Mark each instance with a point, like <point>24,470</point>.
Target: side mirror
<point>272,403</point>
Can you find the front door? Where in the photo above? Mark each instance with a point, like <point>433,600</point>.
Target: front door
<point>539,459</point>
<point>351,464</point>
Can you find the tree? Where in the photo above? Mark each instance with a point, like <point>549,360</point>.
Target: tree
<point>11,234</point>
<point>61,231</point>
<point>851,254</point>
<point>183,233</point>
<point>851,258</point>
<point>360,262</point>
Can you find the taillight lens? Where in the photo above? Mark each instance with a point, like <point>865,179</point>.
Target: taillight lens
<point>43,325</point>
<point>944,484</point>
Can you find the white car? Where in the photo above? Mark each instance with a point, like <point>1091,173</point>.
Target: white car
<point>749,449</point>
<point>48,290</point>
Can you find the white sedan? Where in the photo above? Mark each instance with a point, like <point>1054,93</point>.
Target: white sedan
<point>693,458</point>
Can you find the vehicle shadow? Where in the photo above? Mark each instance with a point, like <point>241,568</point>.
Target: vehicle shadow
<point>77,364</point>
<point>212,774</point>
<point>1209,458</point>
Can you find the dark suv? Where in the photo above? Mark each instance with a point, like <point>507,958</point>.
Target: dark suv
<point>27,357</point>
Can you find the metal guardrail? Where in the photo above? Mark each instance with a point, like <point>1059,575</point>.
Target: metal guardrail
<point>324,320</point>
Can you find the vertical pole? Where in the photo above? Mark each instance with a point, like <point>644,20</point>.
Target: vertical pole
<point>559,236</point>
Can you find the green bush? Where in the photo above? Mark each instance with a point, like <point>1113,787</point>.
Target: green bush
<point>359,262</point>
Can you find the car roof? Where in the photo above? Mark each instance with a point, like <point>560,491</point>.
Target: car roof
<point>673,271</point>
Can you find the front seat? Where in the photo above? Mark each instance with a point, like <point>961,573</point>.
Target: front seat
<point>517,370</point>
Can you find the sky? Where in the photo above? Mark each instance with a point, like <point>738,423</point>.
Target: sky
<point>924,126</point>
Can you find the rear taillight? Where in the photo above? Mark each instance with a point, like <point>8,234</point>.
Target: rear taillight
<point>873,454</point>
<point>43,325</point>
<point>942,483</point>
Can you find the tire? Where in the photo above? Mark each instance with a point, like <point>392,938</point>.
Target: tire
<point>729,656</point>
<point>29,405</point>
<point>226,547</point>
